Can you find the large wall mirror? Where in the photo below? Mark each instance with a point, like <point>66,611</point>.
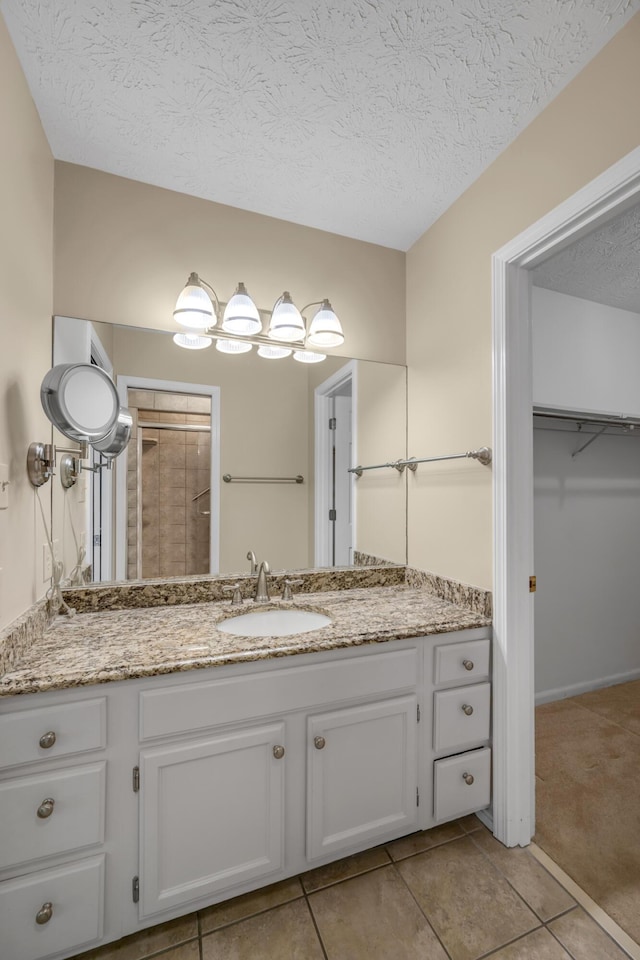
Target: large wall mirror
<point>231,454</point>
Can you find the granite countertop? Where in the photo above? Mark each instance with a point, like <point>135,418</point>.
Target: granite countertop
<point>123,644</point>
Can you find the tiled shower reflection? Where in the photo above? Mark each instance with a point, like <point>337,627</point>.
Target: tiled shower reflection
<point>168,482</point>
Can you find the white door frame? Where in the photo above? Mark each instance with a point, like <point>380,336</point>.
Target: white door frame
<point>322,396</point>
<point>513,726</point>
<point>170,386</point>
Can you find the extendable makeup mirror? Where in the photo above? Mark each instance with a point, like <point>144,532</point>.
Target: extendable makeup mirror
<point>81,401</point>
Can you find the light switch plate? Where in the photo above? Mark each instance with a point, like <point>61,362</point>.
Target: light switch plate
<point>4,486</point>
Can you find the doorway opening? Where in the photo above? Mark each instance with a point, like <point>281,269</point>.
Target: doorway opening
<point>167,503</point>
<point>335,453</point>
<point>514,775</point>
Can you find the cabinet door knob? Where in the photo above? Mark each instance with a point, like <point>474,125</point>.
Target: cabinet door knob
<point>46,808</point>
<point>468,664</point>
<point>468,778</point>
<point>467,709</point>
<point>278,752</point>
<point>319,743</point>
<point>45,913</point>
<point>47,740</point>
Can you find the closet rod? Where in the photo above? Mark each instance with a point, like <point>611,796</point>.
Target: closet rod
<point>608,421</point>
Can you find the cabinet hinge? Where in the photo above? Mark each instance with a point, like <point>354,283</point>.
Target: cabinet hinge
<point>532,584</point>
<point>332,515</point>
<point>332,423</point>
<point>136,779</point>
<point>135,889</point>
<point>418,712</point>
<point>417,797</point>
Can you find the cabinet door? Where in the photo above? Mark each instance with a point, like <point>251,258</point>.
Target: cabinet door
<point>211,815</point>
<point>362,775</point>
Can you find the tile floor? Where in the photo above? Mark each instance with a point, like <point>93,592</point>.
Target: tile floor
<point>451,893</point>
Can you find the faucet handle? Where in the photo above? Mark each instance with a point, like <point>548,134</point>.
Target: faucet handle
<point>286,593</point>
<point>251,557</point>
<point>234,588</point>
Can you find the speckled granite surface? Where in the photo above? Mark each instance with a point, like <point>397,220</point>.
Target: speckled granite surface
<point>361,559</point>
<point>160,593</point>
<point>480,601</point>
<point>17,638</point>
<point>120,644</point>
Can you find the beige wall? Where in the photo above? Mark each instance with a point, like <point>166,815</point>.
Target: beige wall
<point>123,251</point>
<point>381,495</point>
<point>26,255</point>
<point>593,123</point>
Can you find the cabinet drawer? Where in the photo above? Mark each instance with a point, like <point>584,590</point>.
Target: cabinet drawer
<point>461,661</point>
<point>50,732</point>
<point>462,784</point>
<point>461,716</point>
<point>32,827</point>
<point>75,893</point>
<point>196,706</point>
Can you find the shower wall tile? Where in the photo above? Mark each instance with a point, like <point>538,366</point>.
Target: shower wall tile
<point>199,405</point>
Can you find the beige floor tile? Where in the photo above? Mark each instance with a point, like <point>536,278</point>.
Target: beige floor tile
<point>530,879</point>
<point>539,945</point>
<point>373,917</point>
<point>149,942</point>
<point>284,933</point>
<point>418,842</point>
<point>249,904</point>
<point>471,823</point>
<point>468,902</point>
<point>620,704</point>
<point>343,869</point>
<point>584,939</point>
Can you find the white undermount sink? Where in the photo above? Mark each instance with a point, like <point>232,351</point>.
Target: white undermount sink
<point>274,623</point>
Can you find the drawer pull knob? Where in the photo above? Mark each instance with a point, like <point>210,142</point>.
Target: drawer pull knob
<point>278,752</point>
<point>467,709</point>
<point>468,664</point>
<point>47,740</point>
<point>319,743</point>
<point>45,913</point>
<point>468,778</point>
<point>46,808</point>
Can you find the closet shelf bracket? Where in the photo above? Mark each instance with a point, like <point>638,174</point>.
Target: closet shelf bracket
<point>589,441</point>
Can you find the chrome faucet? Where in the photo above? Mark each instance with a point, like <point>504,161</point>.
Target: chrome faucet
<point>262,587</point>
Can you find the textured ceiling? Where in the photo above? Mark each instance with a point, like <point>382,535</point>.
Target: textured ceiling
<point>363,117</point>
<point>603,266</point>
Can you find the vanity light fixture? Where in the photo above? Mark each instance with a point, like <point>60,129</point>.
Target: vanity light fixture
<point>308,356</point>
<point>241,314</point>
<point>273,352</point>
<point>199,310</point>
<point>192,341</point>
<point>233,346</point>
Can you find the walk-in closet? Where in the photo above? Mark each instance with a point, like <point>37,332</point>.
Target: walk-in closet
<point>586,393</point>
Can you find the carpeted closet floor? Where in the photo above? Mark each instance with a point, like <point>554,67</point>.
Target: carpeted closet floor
<point>588,795</point>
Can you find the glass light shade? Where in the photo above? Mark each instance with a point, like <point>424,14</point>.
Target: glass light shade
<point>273,353</point>
<point>286,324</point>
<point>191,341</point>
<point>194,308</point>
<point>325,329</point>
<point>232,346</point>
<point>241,314</point>
<point>307,356</point>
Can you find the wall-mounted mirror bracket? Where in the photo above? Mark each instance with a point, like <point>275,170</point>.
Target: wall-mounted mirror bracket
<point>41,463</point>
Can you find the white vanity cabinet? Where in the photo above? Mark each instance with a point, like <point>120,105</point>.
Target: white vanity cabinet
<point>206,784</point>
<point>211,815</point>
<point>362,775</point>
<point>461,705</point>
<point>52,827</point>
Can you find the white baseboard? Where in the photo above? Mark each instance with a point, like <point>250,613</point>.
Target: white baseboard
<point>561,693</point>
